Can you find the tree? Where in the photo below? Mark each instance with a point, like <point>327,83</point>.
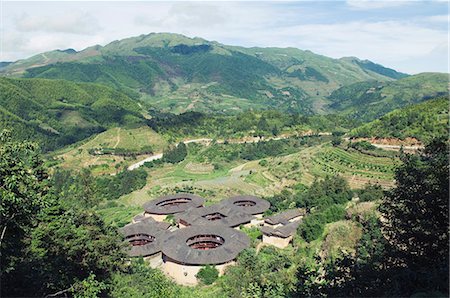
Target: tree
<point>336,141</point>
<point>321,194</point>
<point>175,154</point>
<point>49,245</point>
<point>208,274</point>
<point>262,126</point>
<point>76,240</point>
<point>416,214</point>
<point>371,192</point>
<point>24,193</point>
<point>139,280</point>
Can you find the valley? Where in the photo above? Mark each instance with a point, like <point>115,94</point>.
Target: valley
<point>88,137</point>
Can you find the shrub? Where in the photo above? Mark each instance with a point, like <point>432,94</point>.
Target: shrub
<point>263,163</point>
<point>371,192</point>
<point>208,274</point>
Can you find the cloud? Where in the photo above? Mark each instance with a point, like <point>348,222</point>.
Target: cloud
<point>383,42</point>
<point>444,18</point>
<point>69,22</point>
<point>334,29</point>
<point>375,4</point>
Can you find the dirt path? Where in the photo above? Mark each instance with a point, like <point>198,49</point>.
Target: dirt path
<point>397,147</point>
<point>118,138</point>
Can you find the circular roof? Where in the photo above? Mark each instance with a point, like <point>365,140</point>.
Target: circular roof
<point>140,230</point>
<point>247,204</point>
<point>172,204</point>
<point>176,247</point>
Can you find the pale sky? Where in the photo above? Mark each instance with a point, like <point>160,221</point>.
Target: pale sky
<point>409,36</point>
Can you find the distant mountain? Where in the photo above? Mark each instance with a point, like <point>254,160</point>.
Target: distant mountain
<point>372,99</point>
<point>374,67</point>
<point>177,73</point>
<point>3,64</point>
<point>422,121</point>
<point>56,113</point>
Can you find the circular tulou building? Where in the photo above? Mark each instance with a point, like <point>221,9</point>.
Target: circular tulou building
<point>247,204</point>
<point>186,251</point>
<point>201,236</point>
<point>161,207</point>
<point>144,238</point>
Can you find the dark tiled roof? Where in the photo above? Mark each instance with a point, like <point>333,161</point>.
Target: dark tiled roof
<point>284,217</point>
<point>146,227</point>
<point>160,206</point>
<point>138,217</point>
<point>228,216</point>
<point>175,246</point>
<point>283,231</point>
<point>238,202</point>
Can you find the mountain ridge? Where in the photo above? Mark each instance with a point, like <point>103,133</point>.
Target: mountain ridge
<point>165,65</point>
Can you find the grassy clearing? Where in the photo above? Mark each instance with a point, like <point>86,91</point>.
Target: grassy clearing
<point>119,214</point>
<point>341,236</point>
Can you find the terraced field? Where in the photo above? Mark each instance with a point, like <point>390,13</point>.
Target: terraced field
<point>320,161</point>
<point>337,161</point>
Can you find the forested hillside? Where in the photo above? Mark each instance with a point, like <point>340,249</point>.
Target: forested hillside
<point>167,69</point>
<point>56,113</point>
<point>423,121</point>
<point>372,99</point>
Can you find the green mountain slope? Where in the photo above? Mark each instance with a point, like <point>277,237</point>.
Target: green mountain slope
<point>372,99</point>
<point>422,121</point>
<point>178,73</point>
<point>56,112</point>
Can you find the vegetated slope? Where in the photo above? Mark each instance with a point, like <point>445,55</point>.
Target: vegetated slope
<point>370,100</point>
<point>121,139</point>
<point>423,121</point>
<point>56,112</point>
<point>212,76</point>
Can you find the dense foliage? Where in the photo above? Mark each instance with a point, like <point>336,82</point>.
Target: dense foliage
<point>175,154</point>
<point>371,192</point>
<point>423,121</point>
<point>227,152</point>
<point>270,273</point>
<point>264,123</point>
<point>113,187</point>
<point>84,188</point>
<point>48,245</point>
<point>321,194</point>
<point>417,218</point>
<point>139,280</point>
